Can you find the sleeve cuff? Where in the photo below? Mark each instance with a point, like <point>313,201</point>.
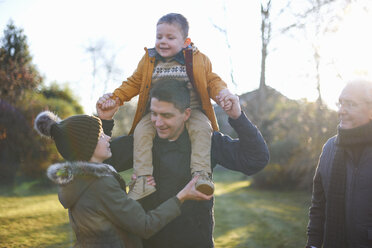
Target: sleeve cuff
<point>242,123</point>
<point>177,201</point>
<point>107,126</point>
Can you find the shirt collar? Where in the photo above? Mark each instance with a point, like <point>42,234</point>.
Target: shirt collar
<point>179,57</point>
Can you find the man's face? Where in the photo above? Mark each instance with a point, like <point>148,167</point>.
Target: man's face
<point>354,109</point>
<point>168,121</point>
<point>169,40</point>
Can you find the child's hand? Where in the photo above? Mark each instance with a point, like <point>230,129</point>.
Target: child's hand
<point>223,98</point>
<point>106,106</point>
<point>149,179</point>
<point>106,102</point>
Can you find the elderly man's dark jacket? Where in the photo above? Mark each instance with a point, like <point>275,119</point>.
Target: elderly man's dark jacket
<point>358,197</point>
<point>194,227</point>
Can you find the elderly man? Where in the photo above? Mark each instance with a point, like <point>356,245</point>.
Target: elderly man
<point>341,207</point>
<point>171,160</point>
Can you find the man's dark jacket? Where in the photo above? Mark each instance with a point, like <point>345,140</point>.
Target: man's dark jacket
<point>194,227</point>
<point>358,197</point>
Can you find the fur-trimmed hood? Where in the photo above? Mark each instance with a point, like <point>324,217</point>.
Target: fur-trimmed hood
<point>64,173</point>
<point>74,178</point>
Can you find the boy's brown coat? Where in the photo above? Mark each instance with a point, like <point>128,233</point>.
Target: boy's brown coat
<point>208,85</point>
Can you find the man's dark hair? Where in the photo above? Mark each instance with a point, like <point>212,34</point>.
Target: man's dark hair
<point>172,91</point>
<point>174,18</point>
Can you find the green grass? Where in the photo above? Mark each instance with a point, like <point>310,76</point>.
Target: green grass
<point>245,217</point>
<point>33,221</point>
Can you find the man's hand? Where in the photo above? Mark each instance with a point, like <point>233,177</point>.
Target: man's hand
<point>235,111</point>
<point>107,107</point>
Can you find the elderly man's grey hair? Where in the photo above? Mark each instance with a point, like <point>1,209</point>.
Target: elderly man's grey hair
<point>365,85</point>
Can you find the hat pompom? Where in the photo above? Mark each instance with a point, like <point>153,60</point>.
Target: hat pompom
<point>44,122</point>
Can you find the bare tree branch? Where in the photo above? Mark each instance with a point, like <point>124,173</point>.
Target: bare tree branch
<point>228,44</point>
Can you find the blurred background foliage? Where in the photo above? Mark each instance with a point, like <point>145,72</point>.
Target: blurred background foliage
<point>295,132</point>
<point>23,95</point>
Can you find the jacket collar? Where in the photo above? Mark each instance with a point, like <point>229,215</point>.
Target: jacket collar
<point>361,135</point>
<point>64,173</point>
<point>179,57</point>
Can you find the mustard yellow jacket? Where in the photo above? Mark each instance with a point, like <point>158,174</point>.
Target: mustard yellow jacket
<point>207,83</point>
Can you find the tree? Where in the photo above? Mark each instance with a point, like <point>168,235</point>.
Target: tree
<point>265,40</point>
<point>294,136</point>
<point>104,68</point>
<point>12,129</point>
<point>124,118</point>
<point>41,152</point>
<point>224,31</point>
<point>311,18</point>
<point>17,73</point>
<point>22,97</point>
<point>315,20</point>
<point>57,93</point>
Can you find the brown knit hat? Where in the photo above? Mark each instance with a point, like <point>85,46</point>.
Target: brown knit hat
<point>76,137</point>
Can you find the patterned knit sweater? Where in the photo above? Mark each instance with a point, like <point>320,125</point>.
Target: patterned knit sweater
<point>172,69</point>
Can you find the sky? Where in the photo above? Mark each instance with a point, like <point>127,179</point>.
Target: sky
<point>59,34</point>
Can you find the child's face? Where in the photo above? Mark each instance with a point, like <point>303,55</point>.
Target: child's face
<point>102,150</point>
<point>169,40</point>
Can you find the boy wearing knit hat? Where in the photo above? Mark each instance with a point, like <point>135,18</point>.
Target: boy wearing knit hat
<point>100,212</point>
<point>174,57</point>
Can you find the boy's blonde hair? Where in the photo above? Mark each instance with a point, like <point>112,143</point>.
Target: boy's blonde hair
<point>174,18</point>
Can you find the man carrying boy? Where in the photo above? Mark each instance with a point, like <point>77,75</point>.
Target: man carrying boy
<point>171,152</point>
<point>174,57</point>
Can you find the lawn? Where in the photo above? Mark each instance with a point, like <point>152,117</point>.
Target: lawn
<point>245,217</point>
